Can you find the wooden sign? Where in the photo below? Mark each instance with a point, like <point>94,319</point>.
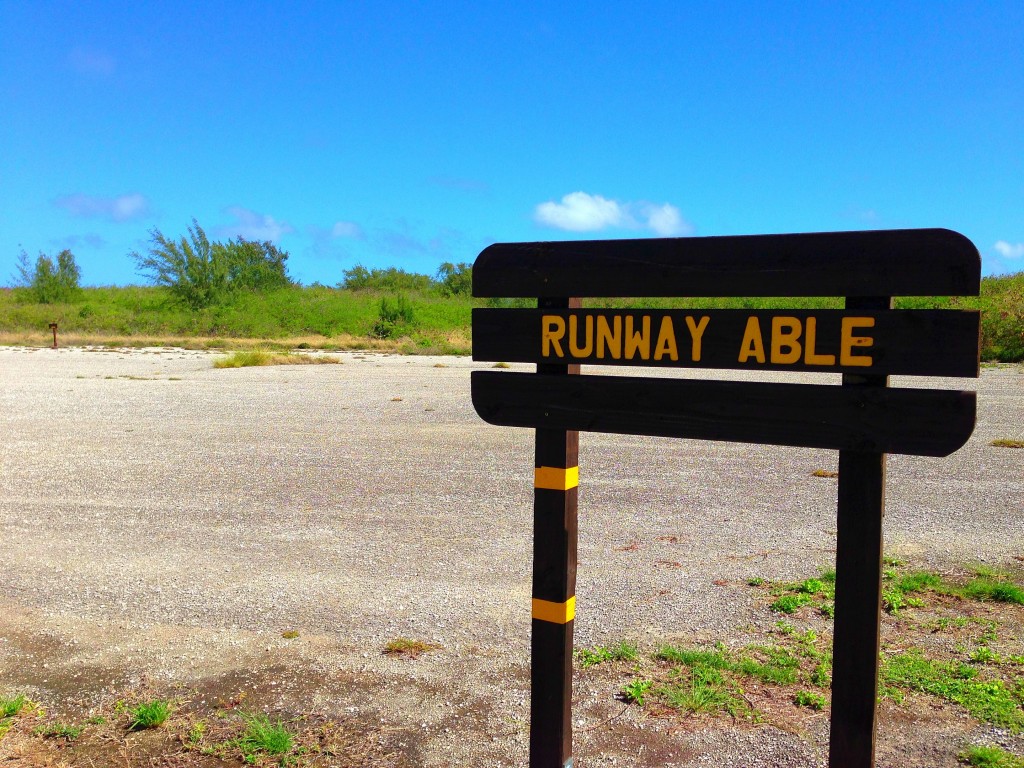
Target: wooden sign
<point>863,418</point>
<point>913,342</point>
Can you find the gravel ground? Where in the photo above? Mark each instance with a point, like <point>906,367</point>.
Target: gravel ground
<point>167,521</point>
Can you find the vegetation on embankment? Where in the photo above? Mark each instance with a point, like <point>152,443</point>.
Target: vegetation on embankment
<point>389,309</point>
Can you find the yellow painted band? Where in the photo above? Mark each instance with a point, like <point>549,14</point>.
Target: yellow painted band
<point>556,478</point>
<point>556,613</point>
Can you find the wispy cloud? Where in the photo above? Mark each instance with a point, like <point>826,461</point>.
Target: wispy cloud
<point>254,226</point>
<point>75,241</point>
<point>328,241</point>
<point>346,229</point>
<point>120,208</point>
<point>92,62</point>
<point>583,212</point>
<point>1009,250</point>
<point>403,242</point>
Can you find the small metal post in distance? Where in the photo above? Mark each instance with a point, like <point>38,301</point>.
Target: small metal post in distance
<point>53,327</point>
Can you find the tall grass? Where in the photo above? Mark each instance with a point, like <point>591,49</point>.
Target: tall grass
<point>440,323</point>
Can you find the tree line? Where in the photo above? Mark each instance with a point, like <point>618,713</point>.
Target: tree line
<point>198,272</point>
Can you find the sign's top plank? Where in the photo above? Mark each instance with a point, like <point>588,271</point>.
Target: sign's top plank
<point>897,262</point>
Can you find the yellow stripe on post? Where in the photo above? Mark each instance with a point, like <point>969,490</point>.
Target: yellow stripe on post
<point>556,478</point>
<point>556,613</point>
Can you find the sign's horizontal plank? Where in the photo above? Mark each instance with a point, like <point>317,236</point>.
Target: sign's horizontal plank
<point>899,262</point>
<point>915,342</point>
<point>922,422</point>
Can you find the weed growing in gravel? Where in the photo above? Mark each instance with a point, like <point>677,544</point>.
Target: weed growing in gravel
<point>1008,443</point>
<point>59,731</point>
<point>825,473</point>
<point>635,691</point>
<point>150,714</point>
<point>196,732</point>
<point>810,700</point>
<point>789,603</point>
<point>410,649</point>
<point>290,634</point>
<point>990,757</point>
<point>599,654</point>
<point>11,707</point>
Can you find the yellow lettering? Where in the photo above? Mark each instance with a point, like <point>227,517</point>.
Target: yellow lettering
<point>696,332</point>
<point>752,344</point>
<point>847,341</point>
<point>552,331</point>
<point>666,341</point>
<point>588,336</point>
<point>609,337</point>
<point>786,336</point>
<point>810,338</point>
<point>638,342</point>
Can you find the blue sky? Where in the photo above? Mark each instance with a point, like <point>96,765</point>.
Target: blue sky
<point>409,134</point>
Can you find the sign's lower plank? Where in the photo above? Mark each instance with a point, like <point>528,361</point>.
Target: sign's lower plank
<point>922,422</point>
<point>910,342</point>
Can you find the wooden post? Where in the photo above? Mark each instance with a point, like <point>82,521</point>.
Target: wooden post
<point>858,589</point>
<point>556,476</point>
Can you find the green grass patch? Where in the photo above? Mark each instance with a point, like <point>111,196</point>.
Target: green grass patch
<point>768,663</point>
<point>258,357</point>
<point>261,736</point>
<point>704,689</point>
<point>599,654</point>
<point>990,757</point>
<point>149,714</point>
<point>984,588</point>
<point>790,603</point>
<point>986,699</point>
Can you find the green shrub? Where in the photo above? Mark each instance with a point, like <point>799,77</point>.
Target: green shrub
<point>456,279</point>
<point>49,281</point>
<point>391,279</point>
<point>200,273</point>
<point>395,318</point>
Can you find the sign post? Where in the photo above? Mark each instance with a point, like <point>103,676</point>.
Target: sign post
<point>864,419</point>
<point>556,476</point>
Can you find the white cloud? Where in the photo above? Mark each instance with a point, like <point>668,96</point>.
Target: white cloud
<point>120,208</point>
<point>580,212</point>
<point>666,221</point>
<point>254,226</point>
<point>1009,250</point>
<point>583,212</point>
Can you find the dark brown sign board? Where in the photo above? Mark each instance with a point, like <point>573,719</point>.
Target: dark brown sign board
<point>862,418</point>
